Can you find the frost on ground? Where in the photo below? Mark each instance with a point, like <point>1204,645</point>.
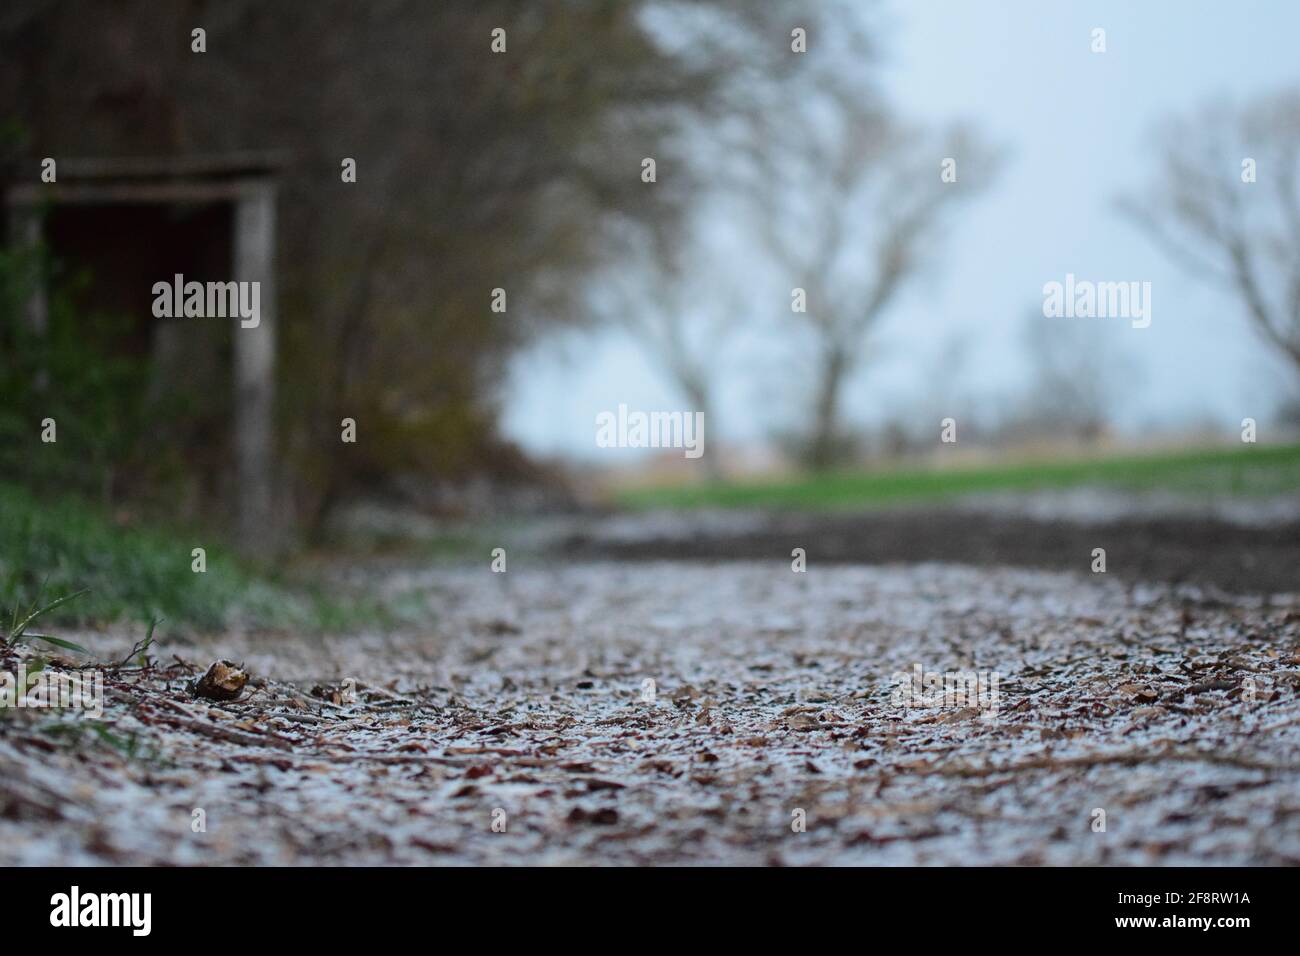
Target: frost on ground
<point>1174,712</point>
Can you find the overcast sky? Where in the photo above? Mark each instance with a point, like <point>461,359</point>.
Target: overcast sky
<point>1075,125</point>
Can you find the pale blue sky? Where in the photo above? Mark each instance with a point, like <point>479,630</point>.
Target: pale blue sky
<point>1075,125</point>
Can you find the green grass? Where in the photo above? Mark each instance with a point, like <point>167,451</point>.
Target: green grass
<point>1250,470</point>
<point>49,549</point>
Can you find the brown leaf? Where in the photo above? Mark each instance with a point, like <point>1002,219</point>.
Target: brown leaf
<point>223,681</point>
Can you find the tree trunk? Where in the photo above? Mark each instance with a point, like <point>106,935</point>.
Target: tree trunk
<point>697,393</point>
<point>822,447</point>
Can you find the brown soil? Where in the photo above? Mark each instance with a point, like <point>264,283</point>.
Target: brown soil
<point>1206,553</point>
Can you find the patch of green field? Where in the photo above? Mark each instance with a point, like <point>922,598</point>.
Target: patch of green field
<point>1250,470</point>
<point>49,549</point>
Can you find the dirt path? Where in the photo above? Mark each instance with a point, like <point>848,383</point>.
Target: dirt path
<point>774,701</point>
<point>1250,553</point>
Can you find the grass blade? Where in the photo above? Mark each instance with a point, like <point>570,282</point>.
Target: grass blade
<point>59,642</point>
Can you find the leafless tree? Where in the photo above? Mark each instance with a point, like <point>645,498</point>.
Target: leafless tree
<point>1225,205</point>
<point>672,302</point>
<point>672,290</point>
<point>853,215</point>
<point>1077,378</point>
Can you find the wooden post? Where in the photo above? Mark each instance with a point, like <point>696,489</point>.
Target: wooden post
<point>254,261</point>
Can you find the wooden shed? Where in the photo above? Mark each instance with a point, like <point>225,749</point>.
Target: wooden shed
<point>137,221</point>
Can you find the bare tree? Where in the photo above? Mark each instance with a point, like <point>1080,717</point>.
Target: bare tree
<point>1225,205</point>
<point>672,303</point>
<point>672,289</point>
<point>1077,378</point>
<point>855,218</point>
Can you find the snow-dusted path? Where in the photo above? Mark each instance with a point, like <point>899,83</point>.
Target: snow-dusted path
<point>528,701</point>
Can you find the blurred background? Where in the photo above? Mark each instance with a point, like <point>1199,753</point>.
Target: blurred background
<point>806,268</point>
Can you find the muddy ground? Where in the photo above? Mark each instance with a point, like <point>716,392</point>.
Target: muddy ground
<point>1244,553</point>
<point>721,709</point>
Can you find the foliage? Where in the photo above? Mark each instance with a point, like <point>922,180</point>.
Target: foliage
<point>126,573</point>
<point>475,171</point>
<point>70,373</point>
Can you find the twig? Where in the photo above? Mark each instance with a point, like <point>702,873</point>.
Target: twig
<point>217,732</point>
